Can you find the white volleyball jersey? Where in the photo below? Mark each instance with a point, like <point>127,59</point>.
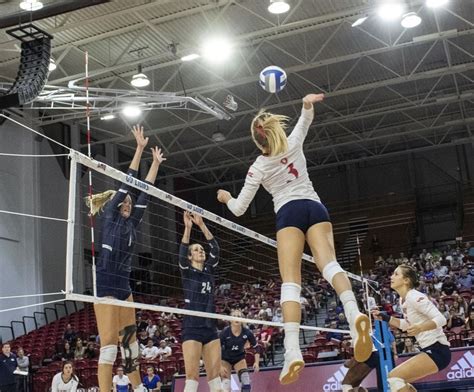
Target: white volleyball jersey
<point>284,176</point>
<point>417,308</point>
<point>58,385</point>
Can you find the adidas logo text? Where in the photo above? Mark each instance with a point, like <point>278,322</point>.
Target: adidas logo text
<point>334,382</point>
<point>464,367</point>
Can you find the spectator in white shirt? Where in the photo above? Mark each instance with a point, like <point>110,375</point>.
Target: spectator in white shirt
<point>151,328</point>
<point>120,381</point>
<point>150,351</point>
<point>164,351</point>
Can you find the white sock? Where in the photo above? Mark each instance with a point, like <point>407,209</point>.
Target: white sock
<point>191,386</point>
<point>292,336</point>
<point>215,384</point>
<point>346,388</point>
<point>349,302</point>
<point>139,388</point>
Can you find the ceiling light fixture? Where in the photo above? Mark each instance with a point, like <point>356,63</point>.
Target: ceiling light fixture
<point>109,116</point>
<point>190,57</point>
<point>31,5</point>
<point>217,50</point>
<point>278,7</point>
<point>359,21</point>
<point>390,11</point>
<point>410,20</point>
<point>52,65</point>
<point>436,3</point>
<point>131,111</point>
<point>140,79</point>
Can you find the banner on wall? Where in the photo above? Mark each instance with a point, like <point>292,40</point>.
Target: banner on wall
<point>327,377</point>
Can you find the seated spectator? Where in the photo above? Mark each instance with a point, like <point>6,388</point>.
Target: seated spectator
<point>444,310</point>
<point>89,352</point>
<point>162,327</point>
<point>170,339</point>
<point>454,320</point>
<point>440,271</point>
<point>151,329</point>
<point>277,316</point>
<point>333,335</point>
<point>70,335</point>
<point>22,360</point>
<point>141,324</point>
<point>469,323</point>
<point>265,336</point>
<point>465,280</point>
<point>448,287</point>
<point>342,321</point>
<point>79,350</point>
<point>143,338</point>
<point>164,351</point>
<point>410,347</point>
<point>66,353</point>
<point>151,381</point>
<point>150,352</point>
<point>120,381</point>
<point>265,309</point>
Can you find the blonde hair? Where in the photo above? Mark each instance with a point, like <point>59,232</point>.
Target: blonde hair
<point>97,202</point>
<point>268,132</point>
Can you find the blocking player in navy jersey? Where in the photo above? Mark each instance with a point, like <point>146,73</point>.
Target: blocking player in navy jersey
<point>234,340</point>
<point>199,334</point>
<point>119,223</point>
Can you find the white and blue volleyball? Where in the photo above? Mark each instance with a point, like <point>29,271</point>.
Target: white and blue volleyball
<point>273,79</point>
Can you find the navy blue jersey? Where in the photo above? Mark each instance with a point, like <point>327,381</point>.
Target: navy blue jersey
<point>118,239</point>
<point>233,347</point>
<point>198,286</point>
<point>7,367</point>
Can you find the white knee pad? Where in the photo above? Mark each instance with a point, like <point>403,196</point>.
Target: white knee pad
<point>215,385</point>
<point>226,385</point>
<point>131,357</point>
<point>290,292</point>
<point>191,386</point>
<point>330,270</point>
<point>396,383</point>
<point>108,354</point>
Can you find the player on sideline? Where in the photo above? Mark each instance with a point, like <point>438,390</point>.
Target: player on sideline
<point>423,321</point>
<point>300,218</point>
<point>119,224</point>
<point>234,338</point>
<point>199,334</point>
<point>66,380</point>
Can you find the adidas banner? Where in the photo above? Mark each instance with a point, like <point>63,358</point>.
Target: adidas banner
<point>329,376</point>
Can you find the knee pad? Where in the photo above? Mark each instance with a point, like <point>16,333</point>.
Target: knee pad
<point>191,386</point>
<point>215,385</point>
<point>226,385</point>
<point>290,292</point>
<point>108,354</point>
<point>130,351</point>
<point>396,383</point>
<point>330,270</point>
<point>244,378</point>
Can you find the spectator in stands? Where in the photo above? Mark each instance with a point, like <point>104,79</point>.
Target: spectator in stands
<point>143,338</point>
<point>410,346</point>
<point>162,328</point>
<point>164,351</point>
<point>277,315</point>
<point>79,350</point>
<point>342,321</point>
<point>444,310</point>
<point>141,324</point>
<point>8,365</point>
<point>151,329</point>
<point>265,309</point>
<point>66,380</point>
<point>266,336</point>
<point>120,381</point>
<point>70,335</point>
<point>470,250</point>
<point>459,308</point>
<point>449,287</point>
<point>151,381</point>
<point>22,360</point>
<point>440,271</point>
<point>465,280</point>
<point>90,353</point>
<point>170,339</point>
<point>66,353</point>
<point>454,320</point>
<point>150,352</point>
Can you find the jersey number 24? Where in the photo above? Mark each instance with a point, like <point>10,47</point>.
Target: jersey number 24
<point>206,288</point>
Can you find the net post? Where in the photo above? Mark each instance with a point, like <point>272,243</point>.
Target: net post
<point>71,223</point>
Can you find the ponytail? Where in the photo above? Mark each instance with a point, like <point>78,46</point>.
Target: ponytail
<point>97,202</point>
<point>268,132</point>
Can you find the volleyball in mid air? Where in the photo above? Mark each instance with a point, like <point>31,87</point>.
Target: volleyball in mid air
<point>273,79</point>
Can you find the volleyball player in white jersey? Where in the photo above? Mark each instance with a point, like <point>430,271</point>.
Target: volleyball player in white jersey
<point>422,320</point>
<point>66,381</point>
<point>300,218</point>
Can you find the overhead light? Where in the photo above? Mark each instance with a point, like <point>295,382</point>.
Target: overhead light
<point>31,5</point>
<point>108,116</point>
<point>140,79</point>
<point>359,21</point>
<point>218,137</point>
<point>217,50</point>
<point>390,11</point>
<point>411,20</point>
<point>436,3</point>
<point>190,57</point>
<point>131,111</point>
<point>278,7</point>
<point>52,65</point>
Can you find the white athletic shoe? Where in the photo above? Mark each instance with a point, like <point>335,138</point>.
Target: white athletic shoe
<point>361,339</point>
<point>292,367</point>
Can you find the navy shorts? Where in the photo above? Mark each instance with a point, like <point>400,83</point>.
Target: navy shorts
<point>201,335</point>
<point>439,353</point>
<point>113,285</point>
<point>301,214</point>
<point>233,360</point>
<point>373,360</point>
